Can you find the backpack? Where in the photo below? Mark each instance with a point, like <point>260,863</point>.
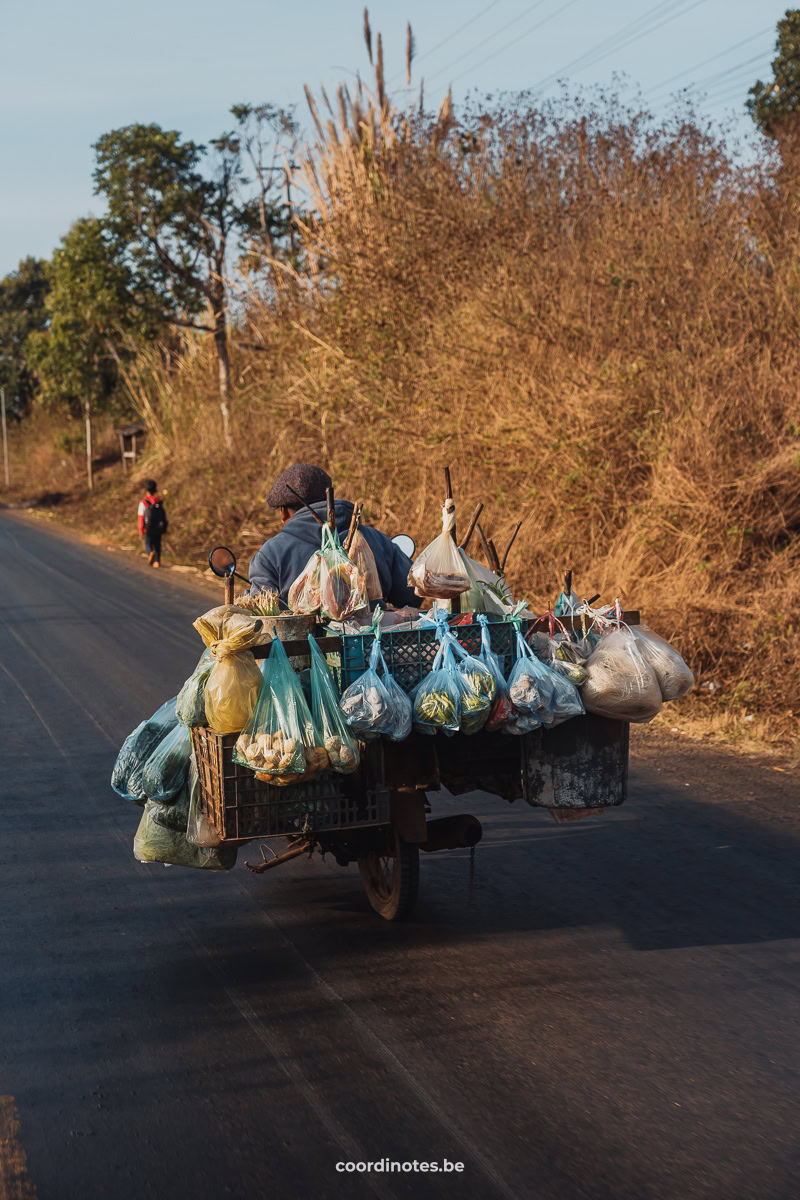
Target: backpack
<point>155,518</point>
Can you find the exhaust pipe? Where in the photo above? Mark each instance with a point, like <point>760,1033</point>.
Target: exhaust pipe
<point>452,833</point>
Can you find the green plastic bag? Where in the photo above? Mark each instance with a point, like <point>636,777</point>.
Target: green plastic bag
<point>155,842</point>
<point>126,778</point>
<point>329,722</point>
<point>279,741</point>
<point>190,708</point>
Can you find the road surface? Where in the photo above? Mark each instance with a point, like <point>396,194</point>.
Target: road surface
<point>609,1011</point>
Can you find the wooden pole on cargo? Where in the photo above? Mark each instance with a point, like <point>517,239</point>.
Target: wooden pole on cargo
<point>331,509</point>
<point>5,435</point>
<point>89,473</point>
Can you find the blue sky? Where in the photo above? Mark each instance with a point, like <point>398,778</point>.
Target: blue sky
<point>73,71</point>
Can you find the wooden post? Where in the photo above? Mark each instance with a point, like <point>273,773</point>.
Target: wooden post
<point>5,434</point>
<point>89,473</point>
<point>229,586</point>
<point>331,509</point>
<point>122,453</point>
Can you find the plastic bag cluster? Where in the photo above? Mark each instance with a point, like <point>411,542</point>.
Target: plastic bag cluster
<point>330,583</point>
<point>126,777</point>
<point>329,722</point>
<point>458,693</point>
<point>163,835</point>
<point>539,695</point>
<point>631,672</point>
<point>375,705</point>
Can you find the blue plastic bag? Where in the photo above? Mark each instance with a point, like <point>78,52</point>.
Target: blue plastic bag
<point>375,705</point>
<point>437,699</point>
<point>126,778</point>
<point>166,769</point>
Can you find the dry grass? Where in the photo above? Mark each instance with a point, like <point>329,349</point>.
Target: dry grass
<point>591,319</point>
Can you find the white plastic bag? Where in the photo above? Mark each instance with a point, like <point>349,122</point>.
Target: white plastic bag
<point>438,572</point>
<point>620,683</point>
<point>487,592</point>
<point>674,677</point>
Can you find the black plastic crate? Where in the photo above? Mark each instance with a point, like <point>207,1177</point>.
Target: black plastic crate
<point>241,807</point>
<point>409,654</point>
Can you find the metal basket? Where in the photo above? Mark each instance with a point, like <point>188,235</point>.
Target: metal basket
<point>241,807</point>
<point>410,653</point>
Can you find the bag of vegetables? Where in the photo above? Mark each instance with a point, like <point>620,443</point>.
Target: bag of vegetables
<point>167,768</point>
<point>126,778</point>
<point>673,675</point>
<point>279,741</point>
<point>438,698</point>
<point>342,587</point>
<point>361,555</point>
<point>331,727</point>
<point>480,687</point>
<point>375,704</point>
<point>191,704</point>
<point>501,709</point>
<point>155,842</point>
<point>536,690</point>
<point>232,686</point>
<point>439,572</point>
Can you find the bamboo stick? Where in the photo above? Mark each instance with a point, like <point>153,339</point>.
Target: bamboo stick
<point>507,551</point>
<point>472,525</point>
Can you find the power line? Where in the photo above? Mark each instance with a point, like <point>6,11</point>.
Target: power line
<point>514,41</point>
<point>722,77</point>
<point>531,8</point>
<point>657,87</point>
<point>590,58</point>
<point>611,39</point>
<point>450,36</point>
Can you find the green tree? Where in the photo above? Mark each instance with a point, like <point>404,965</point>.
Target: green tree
<point>772,104</point>
<point>175,225</point>
<point>22,312</point>
<point>95,320</point>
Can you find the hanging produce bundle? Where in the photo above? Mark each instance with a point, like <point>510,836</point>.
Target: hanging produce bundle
<point>330,583</point>
<point>232,686</point>
<point>479,689</point>
<point>126,778</point>
<point>437,699</point>
<point>329,721</point>
<point>166,769</point>
<point>279,741</point>
<point>361,556</point>
<point>438,573</point>
<point>539,694</point>
<point>673,675</point>
<point>375,705</point>
<point>620,683</point>
<point>502,708</point>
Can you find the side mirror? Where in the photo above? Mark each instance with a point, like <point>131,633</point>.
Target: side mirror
<point>222,561</point>
<point>405,543</point>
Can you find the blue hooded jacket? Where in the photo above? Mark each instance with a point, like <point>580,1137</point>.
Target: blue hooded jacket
<point>281,559</point>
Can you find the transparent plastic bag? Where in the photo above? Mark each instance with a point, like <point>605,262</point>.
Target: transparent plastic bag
<point>530,684</point>
<point>342,587</point>
<point>480,688</point>
<point>279,742</point>
<point>674,677</point>
<point>126,778</point>
<point>232,686</point>
<point>167,768</point>
<point>304,596</point>
<point>501,710</point>
<point>363,558</point>
<point>331,727</point>
<point>191,704</point>
<point>199,829</point>
<point>438,698</point>
<point>439,572</point>
<point>620,683</point>
<point>562,655</point>
<point>487,593</point>
<point>155,842</point>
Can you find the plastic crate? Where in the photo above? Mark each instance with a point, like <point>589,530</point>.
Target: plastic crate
<point>241,807</point>
<point>410,653</point>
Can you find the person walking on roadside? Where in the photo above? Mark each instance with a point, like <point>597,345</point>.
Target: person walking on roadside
<point>152,522</point>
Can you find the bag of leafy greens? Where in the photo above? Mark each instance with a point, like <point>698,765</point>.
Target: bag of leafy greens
<point>167,767</point>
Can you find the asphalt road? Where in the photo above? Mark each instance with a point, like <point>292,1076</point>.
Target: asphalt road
<point>609,1011</point>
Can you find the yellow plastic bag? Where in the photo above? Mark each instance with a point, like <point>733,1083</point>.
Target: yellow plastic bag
<point>232,687</point>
